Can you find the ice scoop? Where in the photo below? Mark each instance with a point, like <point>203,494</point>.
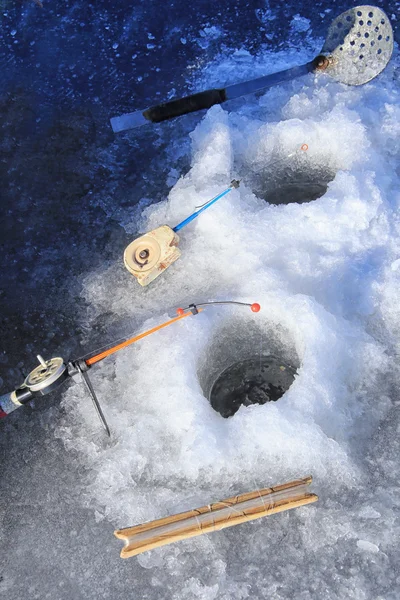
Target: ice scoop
<point>358,46</point>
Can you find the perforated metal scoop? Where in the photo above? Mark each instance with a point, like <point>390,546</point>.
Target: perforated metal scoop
<point>358,47</point>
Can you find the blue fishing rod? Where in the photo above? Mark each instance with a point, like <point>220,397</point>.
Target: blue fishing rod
<point>150,254</point>
<point>234,185</point>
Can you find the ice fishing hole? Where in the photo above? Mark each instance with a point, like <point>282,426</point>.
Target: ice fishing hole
<point>288,181</point>
<point>252,381</point>
<point>246,365</point>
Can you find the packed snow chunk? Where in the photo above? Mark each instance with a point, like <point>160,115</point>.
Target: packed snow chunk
<point>367,546</point>
<point>299,24</point>
<point>212,151</point>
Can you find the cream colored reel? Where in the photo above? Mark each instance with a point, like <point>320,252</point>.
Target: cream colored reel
<point>148,256</point>
<point>48,373</point>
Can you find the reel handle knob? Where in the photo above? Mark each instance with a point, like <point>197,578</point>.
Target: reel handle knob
<point>42,361</point>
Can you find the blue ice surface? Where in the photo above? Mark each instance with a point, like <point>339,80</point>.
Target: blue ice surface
<point>95,52</point>
<point>106,58</point>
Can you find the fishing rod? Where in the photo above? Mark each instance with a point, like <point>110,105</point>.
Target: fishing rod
<point>150,254</point>
<point>234,185</point>
<point>51,374</point>
<point>358,46</point>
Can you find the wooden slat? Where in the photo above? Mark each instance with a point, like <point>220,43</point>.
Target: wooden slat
<point>215,517</point>
<point>128,531</point>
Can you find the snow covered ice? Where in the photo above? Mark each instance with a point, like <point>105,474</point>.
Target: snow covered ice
<point>326,274</point>
<point>322,272</point>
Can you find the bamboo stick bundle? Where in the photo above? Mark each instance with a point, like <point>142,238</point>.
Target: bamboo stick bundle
<point>216,516</point>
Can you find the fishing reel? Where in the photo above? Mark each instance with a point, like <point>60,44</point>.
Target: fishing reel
<point>149,255</point>
<point>44,379</point>
<point>41,381</point>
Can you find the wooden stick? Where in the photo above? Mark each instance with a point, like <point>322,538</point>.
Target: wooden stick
<point>215,517</point>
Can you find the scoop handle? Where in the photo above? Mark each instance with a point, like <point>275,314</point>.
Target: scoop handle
<point>13,400</point>
<point>182,106</point>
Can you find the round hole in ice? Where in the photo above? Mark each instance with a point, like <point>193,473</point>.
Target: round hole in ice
<point>256,380</point>
<point>287,183</point>
<point>249,361</point>
<point>371,14</point>
<point>359,13</point>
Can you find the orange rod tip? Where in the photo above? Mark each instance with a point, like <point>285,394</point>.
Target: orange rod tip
<point>255,307</point>
<point>304,147</point>
<point>180,311</point>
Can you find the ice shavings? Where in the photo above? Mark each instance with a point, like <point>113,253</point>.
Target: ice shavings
<point>325,274</point>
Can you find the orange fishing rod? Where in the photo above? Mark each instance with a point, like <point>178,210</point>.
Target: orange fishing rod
<point>98,357</point>
<point>52,373</point>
